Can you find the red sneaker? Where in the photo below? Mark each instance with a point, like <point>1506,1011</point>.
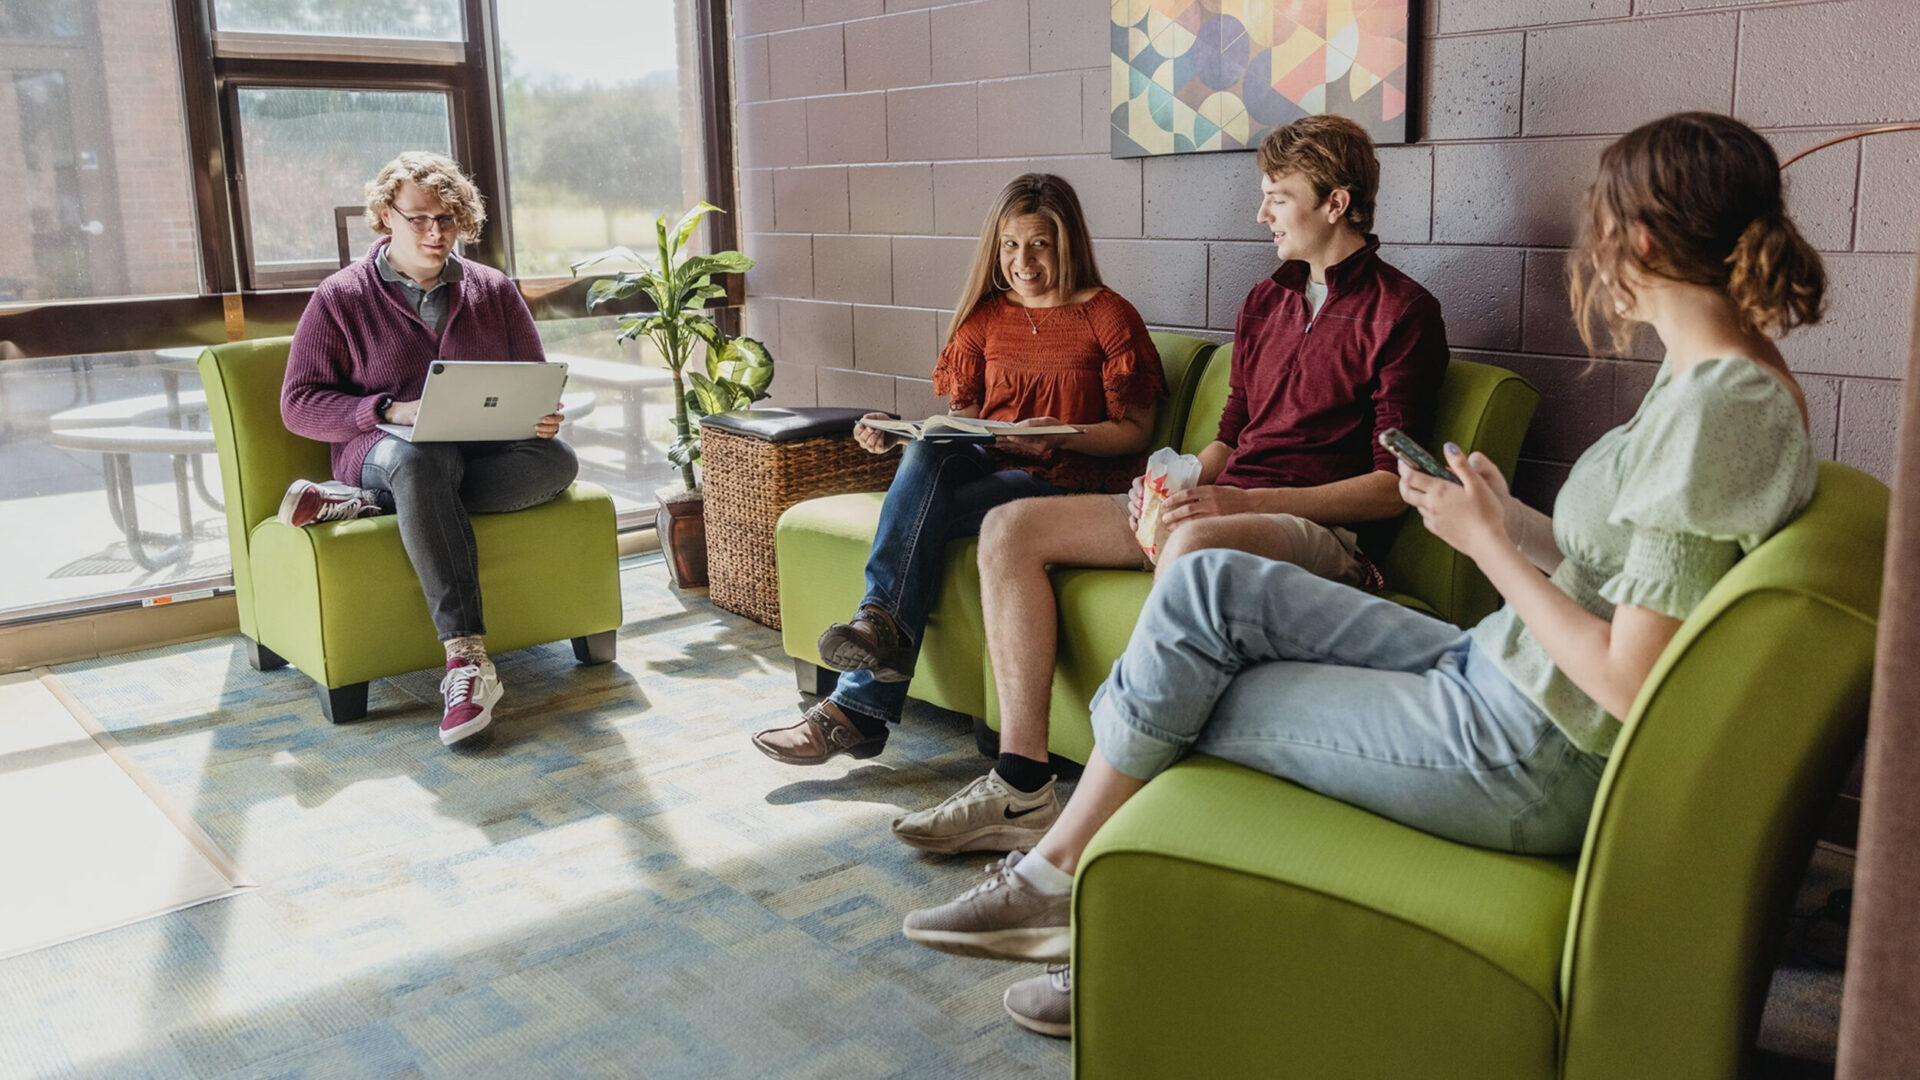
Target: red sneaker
<point>471,691</point>
<point>307,503</point>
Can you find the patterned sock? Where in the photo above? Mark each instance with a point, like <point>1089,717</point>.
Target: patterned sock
<point>1023,774</point>
<point>472,649</point>
<point>1036,871</point>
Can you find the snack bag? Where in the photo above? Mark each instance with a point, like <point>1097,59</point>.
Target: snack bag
<point>1167,472</point>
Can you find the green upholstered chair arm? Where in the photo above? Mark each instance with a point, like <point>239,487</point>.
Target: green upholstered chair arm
<point>1209,401</point>
<point>1182,359</point>
<point>259,457</point>
<point>1482,408</point>
<point>1714,794</point>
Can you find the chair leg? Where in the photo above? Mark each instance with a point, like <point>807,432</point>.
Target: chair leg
<point>261,658</point>
<point>814,679</point>
<point>594,648</point>
<point>343,704</point>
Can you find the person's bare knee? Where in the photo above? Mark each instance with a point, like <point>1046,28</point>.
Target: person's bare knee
<point>1009,536</point>
<point>1048,530</point>
<point>1253,533</point>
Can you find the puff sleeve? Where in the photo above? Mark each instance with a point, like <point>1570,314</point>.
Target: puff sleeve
<point>1131,377</point>
<point>1716,468</point>
<point>960,375</point>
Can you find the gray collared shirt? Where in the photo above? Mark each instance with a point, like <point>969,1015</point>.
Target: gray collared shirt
<point>429,304</point>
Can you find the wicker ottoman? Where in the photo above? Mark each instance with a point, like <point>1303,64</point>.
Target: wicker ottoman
<point>756,464</point>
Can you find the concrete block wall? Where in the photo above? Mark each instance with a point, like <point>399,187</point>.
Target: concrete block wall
<point>872,134</point>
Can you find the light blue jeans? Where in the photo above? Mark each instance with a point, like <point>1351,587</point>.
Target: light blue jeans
<point>1346,694</point>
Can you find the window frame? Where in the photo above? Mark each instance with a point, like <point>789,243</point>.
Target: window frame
<point>309,275</point>
<point>230,306</point>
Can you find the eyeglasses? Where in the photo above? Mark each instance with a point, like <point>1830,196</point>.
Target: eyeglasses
<point>420,222</point>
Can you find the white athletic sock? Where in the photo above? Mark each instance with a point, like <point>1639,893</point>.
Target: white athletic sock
<point>1036,871</point>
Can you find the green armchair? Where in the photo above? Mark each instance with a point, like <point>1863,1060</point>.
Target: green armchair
<point>1228,923</point>
<point>340,601</point>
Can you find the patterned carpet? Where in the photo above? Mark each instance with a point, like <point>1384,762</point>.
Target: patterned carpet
<point>617,884</point>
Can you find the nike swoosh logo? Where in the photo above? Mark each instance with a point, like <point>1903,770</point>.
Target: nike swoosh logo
<point>1029,810</point>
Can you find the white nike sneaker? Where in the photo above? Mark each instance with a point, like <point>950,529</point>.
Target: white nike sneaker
<point>986,815</point>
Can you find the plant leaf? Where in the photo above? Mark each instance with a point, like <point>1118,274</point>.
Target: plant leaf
<point>697,297</point>
<point>638,325</point>
<point>685,450</point>
<point>613,254</point>
<point>727,262</point>
<point>702,328</point>
<point>704,398</point>
<point>691,221</point>
<point>605,289</point>
<point>744,362</point>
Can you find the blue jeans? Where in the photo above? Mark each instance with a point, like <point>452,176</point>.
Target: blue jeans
<point>940,493</point>
<point>1346,694</point>
<point>432,487</point>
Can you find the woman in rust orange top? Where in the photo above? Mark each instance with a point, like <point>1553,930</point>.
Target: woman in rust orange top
<point>1035,339</point>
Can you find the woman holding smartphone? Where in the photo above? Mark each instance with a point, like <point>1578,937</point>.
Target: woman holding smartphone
<point>1495,736</point>
<point>1035,338</point>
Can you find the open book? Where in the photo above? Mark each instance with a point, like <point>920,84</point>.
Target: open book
<point>964,429</point>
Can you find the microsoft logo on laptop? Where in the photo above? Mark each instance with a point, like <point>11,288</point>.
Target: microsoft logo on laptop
<point>490,403</point>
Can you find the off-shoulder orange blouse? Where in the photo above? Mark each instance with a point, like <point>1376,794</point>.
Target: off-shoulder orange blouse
<point>1078,363</point>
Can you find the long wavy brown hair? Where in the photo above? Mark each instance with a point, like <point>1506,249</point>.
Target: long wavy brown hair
<point>1050,197</point>
<point>1706,190</point>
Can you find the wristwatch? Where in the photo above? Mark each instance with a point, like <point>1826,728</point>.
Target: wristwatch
<point>381,406</point>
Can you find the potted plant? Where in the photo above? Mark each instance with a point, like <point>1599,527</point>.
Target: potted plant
<point>737,369</point>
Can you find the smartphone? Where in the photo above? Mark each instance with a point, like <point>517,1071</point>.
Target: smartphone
<point>1402,446</point>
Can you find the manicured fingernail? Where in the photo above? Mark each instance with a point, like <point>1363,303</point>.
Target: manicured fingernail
<point>1453,448</point>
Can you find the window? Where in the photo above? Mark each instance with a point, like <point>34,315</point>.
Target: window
<point>432,20</point>
<point>94,179</point>
<point>304,152</point>
<point>167,196</point>
<point>603,128</point>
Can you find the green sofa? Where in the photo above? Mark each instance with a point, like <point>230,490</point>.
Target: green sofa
<point>341,601</point>
<point>821,547</point>
<point>1231,924</point>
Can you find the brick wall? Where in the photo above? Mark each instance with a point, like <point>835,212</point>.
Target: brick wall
<point>872,134</point>
<point>156,214</point>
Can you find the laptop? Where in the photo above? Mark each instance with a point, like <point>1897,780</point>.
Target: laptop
<point>475,401</point>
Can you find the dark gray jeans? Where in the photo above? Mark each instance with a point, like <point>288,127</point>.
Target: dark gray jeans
<point>432,487</point>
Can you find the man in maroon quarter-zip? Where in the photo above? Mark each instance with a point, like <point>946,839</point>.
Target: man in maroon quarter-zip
<point>1333,349</point>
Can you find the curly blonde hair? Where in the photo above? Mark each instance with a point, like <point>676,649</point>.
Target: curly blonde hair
<point>436,173</point>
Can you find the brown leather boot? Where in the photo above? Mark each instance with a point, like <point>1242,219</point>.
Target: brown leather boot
<point>823,733</point>
<point>872,642</point>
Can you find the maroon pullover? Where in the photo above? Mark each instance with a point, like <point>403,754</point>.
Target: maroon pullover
<point>357,341</point>
<point>1307,394</point>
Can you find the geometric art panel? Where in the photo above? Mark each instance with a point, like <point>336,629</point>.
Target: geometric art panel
<point>1192,76</point>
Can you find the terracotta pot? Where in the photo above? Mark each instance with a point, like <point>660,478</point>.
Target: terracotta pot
<point>681,523</point>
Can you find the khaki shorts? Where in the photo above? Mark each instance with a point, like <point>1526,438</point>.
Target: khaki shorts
<point>1327,551</point>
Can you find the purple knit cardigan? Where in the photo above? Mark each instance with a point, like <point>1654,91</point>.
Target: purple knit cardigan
<point>357,341</point>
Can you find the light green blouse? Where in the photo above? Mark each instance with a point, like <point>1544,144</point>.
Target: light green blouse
<point>1713,462</point>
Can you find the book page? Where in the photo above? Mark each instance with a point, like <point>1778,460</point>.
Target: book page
<point>904,428</point>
